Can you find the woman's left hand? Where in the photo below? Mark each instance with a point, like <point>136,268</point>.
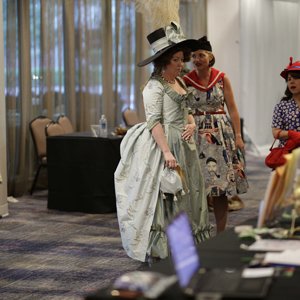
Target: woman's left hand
<point>188,131</point>
<point>239,143</point>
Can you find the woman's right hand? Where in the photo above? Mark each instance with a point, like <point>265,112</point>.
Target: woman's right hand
<point>239,143</point>
<point>160,138</point>
<point>170,161</point>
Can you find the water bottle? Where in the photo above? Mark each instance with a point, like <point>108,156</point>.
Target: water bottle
<point>103,126</point>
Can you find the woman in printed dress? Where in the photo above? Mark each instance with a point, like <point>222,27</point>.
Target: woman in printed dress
<point>218,135</point>
<point>164,140</point>
<point>286,115</point>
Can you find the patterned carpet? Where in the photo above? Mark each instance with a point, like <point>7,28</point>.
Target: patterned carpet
<point>48,254</point>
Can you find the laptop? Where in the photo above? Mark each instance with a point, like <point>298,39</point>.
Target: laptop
<point>195,280</point>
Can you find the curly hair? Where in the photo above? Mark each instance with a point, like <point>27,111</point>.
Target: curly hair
<point>162,61</point>
<point>288,94</point>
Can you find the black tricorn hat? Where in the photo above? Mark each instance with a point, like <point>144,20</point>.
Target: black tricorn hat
<point>164,39</point>
<point>204,44</point>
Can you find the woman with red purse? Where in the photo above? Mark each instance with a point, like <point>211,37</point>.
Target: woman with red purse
<point>286,115</point>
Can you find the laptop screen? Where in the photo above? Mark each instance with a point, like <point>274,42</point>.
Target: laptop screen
<point>183,249</point>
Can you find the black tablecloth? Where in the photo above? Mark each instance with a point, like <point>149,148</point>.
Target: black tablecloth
<point>224,251</point>
<point>81,172</point>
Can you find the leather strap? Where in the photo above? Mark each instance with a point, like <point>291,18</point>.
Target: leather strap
<point>202,113</point>
<point>277,137</point>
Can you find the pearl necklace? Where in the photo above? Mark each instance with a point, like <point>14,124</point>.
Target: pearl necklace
<point>168,81</point>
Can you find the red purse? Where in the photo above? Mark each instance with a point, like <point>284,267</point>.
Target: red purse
<point>276,156</point>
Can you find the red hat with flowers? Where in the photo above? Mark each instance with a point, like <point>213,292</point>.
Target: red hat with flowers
<point>291,67</point>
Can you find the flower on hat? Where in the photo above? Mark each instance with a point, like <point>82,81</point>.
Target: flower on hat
<point>291,67</point>
<point>163,16</point>
<point>174,33</point>
<point>164,39</point>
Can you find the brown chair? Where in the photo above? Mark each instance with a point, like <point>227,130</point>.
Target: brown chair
<point>130,117</point>
<point>65,123</point>
<point>53,129</point>
<point>37,129</point>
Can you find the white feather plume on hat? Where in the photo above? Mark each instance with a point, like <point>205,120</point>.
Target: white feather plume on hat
<point>160,13</point>
<point>163,18</point>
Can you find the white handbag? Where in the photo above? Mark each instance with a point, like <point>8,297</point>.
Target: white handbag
<point>170,181</point>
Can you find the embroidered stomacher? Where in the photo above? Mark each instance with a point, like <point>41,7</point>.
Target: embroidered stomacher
<point>191,79</point>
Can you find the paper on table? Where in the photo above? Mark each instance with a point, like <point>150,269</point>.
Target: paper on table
<point>95,130</point>
<point>274,245</point>
<point>258,272</point>
<point>288,257</point>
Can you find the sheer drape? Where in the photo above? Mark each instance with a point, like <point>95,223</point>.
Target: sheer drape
<point>74,57</point>
<point>3,146</point>
<point>193,22</point>
<point>270,33</point>
<point>61,59</point>
<point>193,18</point>
<point>124,61</point>
<point>89,39</point>
<point>12,85</point>
<point>51,92</point>
<point>17,92</point>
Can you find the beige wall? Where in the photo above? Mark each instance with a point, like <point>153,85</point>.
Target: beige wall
<point>223,30</point>
<point>3,185</point>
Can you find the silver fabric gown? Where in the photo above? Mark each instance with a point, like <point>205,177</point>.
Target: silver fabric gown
<point>143,210</point>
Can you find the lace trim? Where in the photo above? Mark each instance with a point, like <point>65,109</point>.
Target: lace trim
<point>152,122</point>
<point>171,93</point>
<point>199,233</point>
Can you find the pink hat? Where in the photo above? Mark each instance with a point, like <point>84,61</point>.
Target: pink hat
<point>292,67</point>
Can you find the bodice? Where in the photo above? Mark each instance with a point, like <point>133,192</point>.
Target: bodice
<point>164,105</point>
<point>211,100</point>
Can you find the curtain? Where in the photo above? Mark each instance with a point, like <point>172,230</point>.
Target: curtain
<point>89,28</point>
<point>12,84</point>
<point>192,15</point>
<point>75,57</point>
<point>3,157</point>
<point>60,58</point>
<point>193,18</point>
<point>124,38</point>
<point>270,33</point>
<point>17,93</point>
<point>51,68</point>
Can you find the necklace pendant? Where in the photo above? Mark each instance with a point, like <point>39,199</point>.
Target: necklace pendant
<point>169,81</point>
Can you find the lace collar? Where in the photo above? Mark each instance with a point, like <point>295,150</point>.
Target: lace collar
<point>179,98</point>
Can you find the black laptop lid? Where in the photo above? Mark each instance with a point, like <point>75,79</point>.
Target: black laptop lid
<point>183,249</point>
<point>225,282</point>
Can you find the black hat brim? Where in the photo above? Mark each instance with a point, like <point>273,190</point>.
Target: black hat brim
<point>203,44</point>
<point>190,44</point>
<point>285,72</point>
